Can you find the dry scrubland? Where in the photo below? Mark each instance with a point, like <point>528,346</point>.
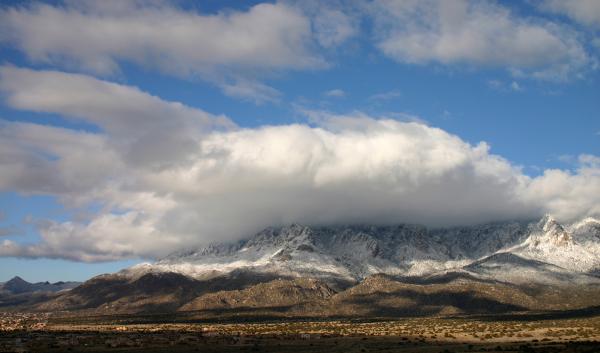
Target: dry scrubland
<point>457,315</point>
<point>44,333</point>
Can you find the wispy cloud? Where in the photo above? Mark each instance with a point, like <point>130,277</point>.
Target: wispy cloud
<point>253,91</point>
<point>384,96</point>
<point>336,93</point>
<point>9,231</point>
<point>496,84</point>
<point>586,12</point>
<point>512,86</point>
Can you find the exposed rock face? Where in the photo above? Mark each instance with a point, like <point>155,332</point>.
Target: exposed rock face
<point>555,233</point>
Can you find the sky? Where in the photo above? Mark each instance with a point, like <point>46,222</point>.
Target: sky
<point>132,129</point>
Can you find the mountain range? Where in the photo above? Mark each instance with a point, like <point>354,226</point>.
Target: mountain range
<point>17,285</point>
<point>19,292</point>
<point>361,270</point>
<point>504,251</point>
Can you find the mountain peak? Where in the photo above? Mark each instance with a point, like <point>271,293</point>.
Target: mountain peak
<point>17,280</point>
<point>18,285</point>
<point>553,232</point>
<point>548,222</point>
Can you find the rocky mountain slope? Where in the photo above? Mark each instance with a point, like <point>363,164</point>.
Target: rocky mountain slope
<point>237,297</point>
<point>361,271</point>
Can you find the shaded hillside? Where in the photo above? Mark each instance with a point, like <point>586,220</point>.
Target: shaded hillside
<point>380,295</point>
<point>273,294</point>
<point>151,292</point>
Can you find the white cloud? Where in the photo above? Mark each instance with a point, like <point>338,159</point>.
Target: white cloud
<point>337,93</point>
<point>384,96</point>
<point>106,238</point>
<point>477,33</point>
<point>246,180</point>
<point>232,49</point>
<point>48,160</point>
<point>96,38</point>
<point>332,27</point>
<point>496,84</point>
<point>571,195</point>
<point>586,12</point>
<point>145,128</point>
<point>502,86</point>
<point>515,86</point>
<point>231,183</point>
<point>251,90</point>
<point>8,231</point>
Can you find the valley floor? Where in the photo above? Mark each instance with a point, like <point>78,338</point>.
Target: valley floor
<point>515,333</point>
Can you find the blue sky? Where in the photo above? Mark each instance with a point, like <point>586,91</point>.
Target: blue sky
<point>538,108</point>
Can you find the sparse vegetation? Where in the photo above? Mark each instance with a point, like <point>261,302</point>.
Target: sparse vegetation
<point>525,333</point>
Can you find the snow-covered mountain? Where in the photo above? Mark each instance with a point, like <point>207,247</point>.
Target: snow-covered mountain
<point>543,251</point>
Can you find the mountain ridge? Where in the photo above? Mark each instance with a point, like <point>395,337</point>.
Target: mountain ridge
<point>358,251</point>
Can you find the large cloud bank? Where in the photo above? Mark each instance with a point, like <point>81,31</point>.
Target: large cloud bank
<point>168,176</point>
